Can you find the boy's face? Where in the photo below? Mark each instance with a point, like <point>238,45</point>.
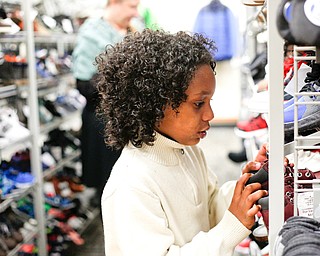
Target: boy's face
<point>192,122</point>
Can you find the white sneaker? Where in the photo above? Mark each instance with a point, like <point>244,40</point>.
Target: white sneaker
<point>259,102</point>
<point>10,127</point>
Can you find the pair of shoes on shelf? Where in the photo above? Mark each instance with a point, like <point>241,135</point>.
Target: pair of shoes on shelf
<point>261,176</point>
<point>64,185</point>
<point>68,175</point>
<point>19,179</point>
<point>71,101</point>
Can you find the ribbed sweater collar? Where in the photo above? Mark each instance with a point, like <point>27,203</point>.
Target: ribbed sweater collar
<point>164,151</point>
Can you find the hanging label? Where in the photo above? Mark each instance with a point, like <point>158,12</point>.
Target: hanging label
<point>305,204</point>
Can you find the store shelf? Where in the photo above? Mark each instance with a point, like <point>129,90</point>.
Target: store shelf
<point>20,142</point>
<point>53,38</point>
<point>46,128</point>
<point>67,160</point>
<point>16,195</point>
<point>305,142</point>
<point>8,91</point>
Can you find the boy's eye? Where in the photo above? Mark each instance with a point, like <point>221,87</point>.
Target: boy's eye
<point>199,104</point>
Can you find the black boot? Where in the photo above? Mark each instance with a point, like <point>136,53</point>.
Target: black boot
<point>238,157</point>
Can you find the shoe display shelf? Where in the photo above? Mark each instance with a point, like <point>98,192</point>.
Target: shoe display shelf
<point>253,58</point>
<point>278,149</point>
<point>8,94</point>
<point>31,89</point>
<point>305,138</point>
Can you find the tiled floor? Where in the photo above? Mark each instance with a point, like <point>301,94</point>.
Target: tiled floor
<point>216,146</point>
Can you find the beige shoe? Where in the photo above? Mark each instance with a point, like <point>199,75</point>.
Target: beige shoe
<point>251,3</point>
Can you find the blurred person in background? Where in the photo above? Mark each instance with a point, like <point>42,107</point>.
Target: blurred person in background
<point>93,36</point>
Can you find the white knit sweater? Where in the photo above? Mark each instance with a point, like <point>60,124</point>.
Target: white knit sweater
<point>162,200</point>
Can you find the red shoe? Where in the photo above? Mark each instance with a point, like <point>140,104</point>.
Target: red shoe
<point>244,247</point>
<point>256,126</point>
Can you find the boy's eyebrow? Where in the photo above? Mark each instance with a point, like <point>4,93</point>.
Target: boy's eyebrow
<point>202,93</point>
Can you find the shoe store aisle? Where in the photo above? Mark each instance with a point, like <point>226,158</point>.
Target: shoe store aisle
<point>216,146</point>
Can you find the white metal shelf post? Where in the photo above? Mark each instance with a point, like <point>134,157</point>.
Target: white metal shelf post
<point>34,127</point>
<point>276,129</point>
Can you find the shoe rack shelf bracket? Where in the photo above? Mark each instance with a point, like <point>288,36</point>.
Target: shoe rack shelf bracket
<point>34,126</point>
<point>276,131</point>
<point>303,142</point>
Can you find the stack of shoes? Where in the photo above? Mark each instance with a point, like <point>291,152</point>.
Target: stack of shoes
<point>298,236</point>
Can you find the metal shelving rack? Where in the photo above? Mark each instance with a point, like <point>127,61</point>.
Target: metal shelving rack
<point>277,149</point>
<point>32,91</point>
<point>303,142</point>
<point>34,126</point>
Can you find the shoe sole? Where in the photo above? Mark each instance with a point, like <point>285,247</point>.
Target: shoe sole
<point>311,122</point>
<point>248,135</point>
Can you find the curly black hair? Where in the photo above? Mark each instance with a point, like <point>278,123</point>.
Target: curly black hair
<point>143,74</point>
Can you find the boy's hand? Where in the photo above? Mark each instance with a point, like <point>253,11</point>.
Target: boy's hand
<point>243,201</point>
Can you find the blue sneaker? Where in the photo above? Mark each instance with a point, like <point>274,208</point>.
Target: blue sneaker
<point>20,179</point>
<point>290,102</point>
<point>59,202</point>
<point>308,114</point>
<point>6,187</point>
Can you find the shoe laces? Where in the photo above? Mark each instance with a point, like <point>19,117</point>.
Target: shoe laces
<point>311,87</point>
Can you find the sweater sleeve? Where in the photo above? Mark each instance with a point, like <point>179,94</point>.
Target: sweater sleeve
<point>219,241</point>
<point>142,229</point>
